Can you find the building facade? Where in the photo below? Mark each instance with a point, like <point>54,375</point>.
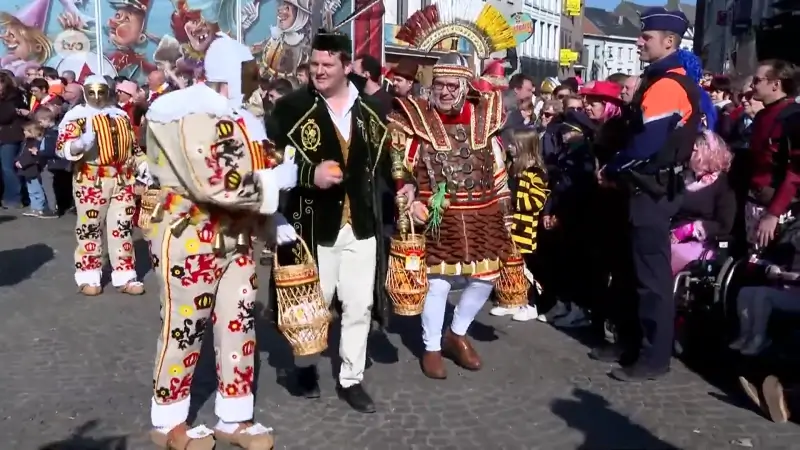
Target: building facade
<point>609,45</point>
<point>572,39</point>
<point>739,33</point>
<point>606,55</point>
<point>538,56</point>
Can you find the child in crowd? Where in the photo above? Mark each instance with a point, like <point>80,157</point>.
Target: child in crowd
<point>530,193</point>
<point>30,168</point>
<point>60,169</point>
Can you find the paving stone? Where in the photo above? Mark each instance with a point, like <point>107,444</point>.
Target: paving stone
<point>77,372</point>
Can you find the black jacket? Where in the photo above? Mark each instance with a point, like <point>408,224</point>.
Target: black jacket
<point>10,121</point>
<point>301,119</point>
<point>31,165</point>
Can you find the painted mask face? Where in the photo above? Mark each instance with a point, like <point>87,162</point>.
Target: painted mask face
<point>287,13</point>
<point>200,34</point>
<point>16,44</point>
<point>125,28</point>
<point>97,95</point>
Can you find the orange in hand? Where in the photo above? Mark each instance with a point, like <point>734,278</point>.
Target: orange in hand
<point>336,171</point>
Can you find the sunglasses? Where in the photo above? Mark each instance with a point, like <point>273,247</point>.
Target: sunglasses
<point>575,108</point>
<point>548,114</point>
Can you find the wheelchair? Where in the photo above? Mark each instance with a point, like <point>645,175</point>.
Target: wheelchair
<point>697,292</point>
<point>705,293</point>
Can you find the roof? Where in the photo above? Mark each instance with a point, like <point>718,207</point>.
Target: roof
<point>611,24</point>
<point>632,10</point>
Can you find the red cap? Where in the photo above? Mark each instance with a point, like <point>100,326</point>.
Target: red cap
<point>495,73</point>
<point>607,90</point>
<point>482,85</point>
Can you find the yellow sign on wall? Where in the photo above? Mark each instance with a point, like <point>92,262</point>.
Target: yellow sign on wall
<point>567,57</point>
<point>573,7</point>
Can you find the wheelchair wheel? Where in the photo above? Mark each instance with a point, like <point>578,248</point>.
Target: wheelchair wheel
<point>728,282</point>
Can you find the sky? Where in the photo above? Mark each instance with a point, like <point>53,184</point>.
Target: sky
<point>611,4</point>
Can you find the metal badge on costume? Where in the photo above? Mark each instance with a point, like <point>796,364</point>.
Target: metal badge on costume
<point>310,136</point>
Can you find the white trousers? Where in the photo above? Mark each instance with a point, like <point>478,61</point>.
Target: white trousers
<point>348,269</point>
<point>473,297</point>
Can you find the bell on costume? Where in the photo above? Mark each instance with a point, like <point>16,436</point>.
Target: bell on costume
<point>179,225</point>
<point>219,243</point>
<point>243,241</point>
<point>158,213</point>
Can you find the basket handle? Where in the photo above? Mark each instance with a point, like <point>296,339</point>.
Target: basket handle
<point>309,255</point>
<point>411,220</point>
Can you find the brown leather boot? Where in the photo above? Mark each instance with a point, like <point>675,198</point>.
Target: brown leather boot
<point>460,350</point>
<point>433,365</point>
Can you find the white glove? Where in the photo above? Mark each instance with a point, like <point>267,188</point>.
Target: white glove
<point>83,143</point>
<point>143,174</point>
<point>286,171</point>
<point>284,231</point>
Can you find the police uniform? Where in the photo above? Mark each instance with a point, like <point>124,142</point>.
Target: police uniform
<point>342,224</point>
<point>664,119</point>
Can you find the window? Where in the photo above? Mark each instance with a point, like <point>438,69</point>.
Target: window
<point>630,56</point>
<point>597,54</point>
<point>619,52</point>
<point>630,72</point>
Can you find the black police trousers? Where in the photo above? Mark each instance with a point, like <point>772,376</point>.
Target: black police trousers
<point>650,220</point>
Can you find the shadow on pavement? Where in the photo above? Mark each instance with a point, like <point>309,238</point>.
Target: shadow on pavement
<point>19,264</point>
<point>80,441</point>
<point>590,414</point>
<point>4,219</point>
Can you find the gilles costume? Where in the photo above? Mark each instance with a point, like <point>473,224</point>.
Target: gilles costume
<point>342,224</point>
<point>99,140</point>
<point>458,162</point>
<point>206,153</point>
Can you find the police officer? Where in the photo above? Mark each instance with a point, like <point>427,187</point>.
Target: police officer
<point>664,117</point>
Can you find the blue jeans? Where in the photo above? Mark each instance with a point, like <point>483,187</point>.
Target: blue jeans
<point>12,188</point>
<point>36,194</point>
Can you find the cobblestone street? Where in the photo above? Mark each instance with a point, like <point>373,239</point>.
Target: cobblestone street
<point>77,374</point>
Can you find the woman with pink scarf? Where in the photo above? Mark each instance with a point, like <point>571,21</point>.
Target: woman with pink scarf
<point>709,204</point>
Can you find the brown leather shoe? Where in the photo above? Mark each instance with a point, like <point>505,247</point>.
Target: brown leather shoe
<point>433,365</point>
<point>460,349</point>
<point>249,436</point>
<point>132,288</point>
<point>183,438</point>
<point>90,290</point>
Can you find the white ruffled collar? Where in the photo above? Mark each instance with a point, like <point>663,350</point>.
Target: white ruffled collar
<point>201,99</point>
<point>85,111</point>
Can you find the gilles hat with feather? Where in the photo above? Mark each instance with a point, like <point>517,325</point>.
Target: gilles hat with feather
<point>483,25</point>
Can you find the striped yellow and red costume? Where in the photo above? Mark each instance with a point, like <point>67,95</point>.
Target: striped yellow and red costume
<point>103,183</point>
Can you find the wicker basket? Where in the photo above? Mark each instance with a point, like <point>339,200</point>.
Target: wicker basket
<point>512,287</point>
<point>148,202</point>
<point>303,316</point>
<point>407,277</point>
